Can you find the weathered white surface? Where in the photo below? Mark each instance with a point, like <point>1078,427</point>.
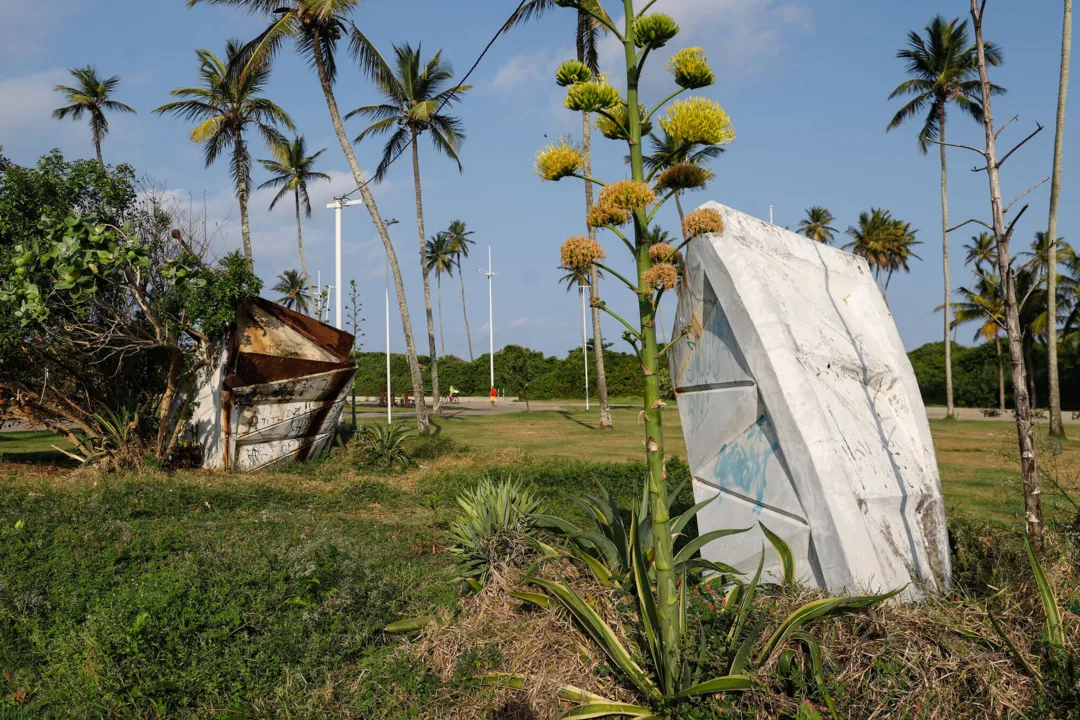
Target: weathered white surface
<point>801,411</point>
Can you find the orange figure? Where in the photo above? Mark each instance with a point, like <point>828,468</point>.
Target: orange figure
<point>493,394</point>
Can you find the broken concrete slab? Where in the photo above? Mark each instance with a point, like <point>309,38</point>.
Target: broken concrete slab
<point>801,411</point>
<point>275,391</point>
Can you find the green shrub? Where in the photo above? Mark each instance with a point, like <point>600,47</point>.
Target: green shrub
<point>495,525</point>
<point>383,446</point>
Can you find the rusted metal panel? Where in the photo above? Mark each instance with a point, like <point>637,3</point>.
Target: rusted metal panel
<point>280,394</point>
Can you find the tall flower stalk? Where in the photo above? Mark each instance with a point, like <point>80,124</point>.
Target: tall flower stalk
<point>635,202</point>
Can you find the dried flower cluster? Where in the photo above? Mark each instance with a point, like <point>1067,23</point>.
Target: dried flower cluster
<point>603,215</point>
<point>580,252</point>
<point>616,129</point>
<point>591,96</point>
<point>627,195</point>
<point>654,31</point>
<point>557,160</point>
<point>691,69</point>
<point>683,176</point>
<point>572,72</point>
<point>663,276</point>
<point>701,222</point>
<point>662,252</point>
<point>698,121</point>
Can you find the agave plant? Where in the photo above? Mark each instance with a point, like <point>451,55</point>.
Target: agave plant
<point>496,520</point>
<point>384,445</point>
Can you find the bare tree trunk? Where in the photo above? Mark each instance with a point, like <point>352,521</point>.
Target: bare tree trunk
<point>1029,365</point>
<point>1057,427</point>
<point>427,281</point>
<point>242,195</point>
<point>1001,375</point>
<point>373,210</point>
<point>438,291</point>
<point>945,265</point>
<point>1025,430</point>
<point>300,245</point>
<point>97,148</point>
<point>464,312</point>
<point>594,284</point>
<point>165,413</point>
<point>682,216</point>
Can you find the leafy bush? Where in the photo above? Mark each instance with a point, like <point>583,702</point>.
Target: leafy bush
<point>383,446</point>
<point>496,524</point>
<point>432,447</point>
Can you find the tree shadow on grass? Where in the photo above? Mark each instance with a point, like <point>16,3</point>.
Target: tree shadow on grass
<point>566,414</point>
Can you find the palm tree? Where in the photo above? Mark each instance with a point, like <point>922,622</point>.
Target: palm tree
<point>316,27</point>
<point>898,251</point>
<point>224,106</point>
<point>942,68</point>
<point>440,259</point>
<point>1040,253</point>
<point>982,251</point>
<point>1056,425</point>
<point>293,169</point>
<point>92,96</point>
<point>460,238</point>
<point>415,95</point>
<point>984,305</point>
<point>666,152</point>
<point>294,293</point>
<point>871,239</point>
<point>586,40</point>
<point>816,225</point>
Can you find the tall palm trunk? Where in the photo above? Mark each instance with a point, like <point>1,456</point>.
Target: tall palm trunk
<point>1001,374</point>
<point>438,291</point>
<point>242,194</point>
<point>1025,428</point>
<point>594,284</point>
<point>300,245</point>
<point>682,216</point>
<point>1029,365</point>
<point>945,265</point>
<point>373,210</point>
<point>427,282</point>
<point>468,333</point>
<point>1056,425</point>
<point>97,149</point>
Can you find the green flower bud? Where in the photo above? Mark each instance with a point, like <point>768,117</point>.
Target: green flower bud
<point>691,69</point>
<point>617,131</point>
<point>654,31</point>
<point>591,96</point>
<point>572,72</point>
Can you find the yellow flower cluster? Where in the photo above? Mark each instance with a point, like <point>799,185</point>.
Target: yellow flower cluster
<point>701,222</point>
<point>698,120</point>
<point>691,69</point>
<point>662,252</point>
<point>663,275</point>
<point>627,195</point>
<point>557,160</point>
<point>683,176</point>
<point>603,215</point>
<point>617,130</point>
<point>580,252</point>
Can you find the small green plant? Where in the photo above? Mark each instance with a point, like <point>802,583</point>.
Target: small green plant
<point>383,446</point>
<point>497,522</point>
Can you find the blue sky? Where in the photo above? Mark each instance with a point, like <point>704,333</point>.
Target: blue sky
<point>805,82</point>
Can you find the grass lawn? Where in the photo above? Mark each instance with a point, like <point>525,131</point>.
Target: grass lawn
<point>198,594</point>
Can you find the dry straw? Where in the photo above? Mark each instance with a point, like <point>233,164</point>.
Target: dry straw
<point>603,215</point>
<point>580,252</point>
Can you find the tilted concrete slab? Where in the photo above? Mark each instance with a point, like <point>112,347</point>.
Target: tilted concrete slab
<point>801,411</point>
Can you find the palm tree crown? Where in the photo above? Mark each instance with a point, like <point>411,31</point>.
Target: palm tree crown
<point>415,97</point>
<point>884,242</point>
<point>942,67</point>
<point>816,225</point>
<point>293,293</point>
<point>292,170</point>
<point>441,257</point>
<point>92,96</point>
<point>982,250</point>
<point>460,238</point>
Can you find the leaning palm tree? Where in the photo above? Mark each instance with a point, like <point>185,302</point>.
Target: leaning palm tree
<point>293,169</point>
<point>587,31</point>
<point>440,259</point>
<point>816,225</point>
<point>294,292</point>
<point>984,305</point>
<point>414,97</point>
<point>225,105</point>
<point>316,27</point>
<point>91,96</point>
<point>459,236</point>
<point>942,68</point>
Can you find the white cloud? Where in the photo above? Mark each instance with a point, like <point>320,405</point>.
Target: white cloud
<point>525,71</point>
<point>29,100</point>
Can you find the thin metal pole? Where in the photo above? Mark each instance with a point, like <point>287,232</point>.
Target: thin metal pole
<point>770,214</point>
<point>337,261</point>
<point>584,345</point>
<point>389,394</point>
<point>318,295</point>
<point>491,325</point>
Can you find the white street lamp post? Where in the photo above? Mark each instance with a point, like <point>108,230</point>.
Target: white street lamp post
<point>339,202</point>
<point>491,326</point>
